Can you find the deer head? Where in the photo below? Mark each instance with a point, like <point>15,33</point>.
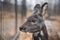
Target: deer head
<point>35,22</point>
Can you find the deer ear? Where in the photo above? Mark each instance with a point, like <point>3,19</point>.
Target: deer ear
<point>44,6</point>
<point>37,6</point>
<point>37,9</point>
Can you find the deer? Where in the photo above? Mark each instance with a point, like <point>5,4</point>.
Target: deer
<point>35,23</point>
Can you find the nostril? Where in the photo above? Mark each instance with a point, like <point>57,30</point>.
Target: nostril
<point>21,28</point>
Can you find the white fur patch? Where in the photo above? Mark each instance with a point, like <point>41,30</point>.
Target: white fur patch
<point>42,33</point>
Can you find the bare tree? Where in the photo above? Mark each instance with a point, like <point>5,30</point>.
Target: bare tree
<point>23,9</point>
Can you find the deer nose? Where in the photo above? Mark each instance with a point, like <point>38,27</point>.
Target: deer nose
<point>22,28</point>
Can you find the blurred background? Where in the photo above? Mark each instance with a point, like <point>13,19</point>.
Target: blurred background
<point>13,14</point>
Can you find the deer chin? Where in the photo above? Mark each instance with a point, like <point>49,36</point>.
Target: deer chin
<point>22,30</point>
<point>26,32</point>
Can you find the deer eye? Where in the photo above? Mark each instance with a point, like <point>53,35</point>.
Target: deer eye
<point>33,21</point>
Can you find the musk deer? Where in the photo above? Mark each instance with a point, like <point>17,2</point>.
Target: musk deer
<point>35,24</point>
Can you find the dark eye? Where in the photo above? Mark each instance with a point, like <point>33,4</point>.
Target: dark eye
<point>33,21</point>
